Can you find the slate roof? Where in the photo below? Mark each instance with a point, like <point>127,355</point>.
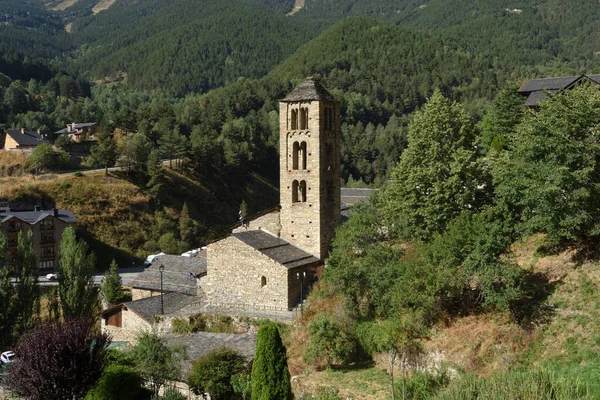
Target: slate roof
<point>276,249</point>
<point>200,344</point>
<point>255,216</point>
<point>309,89</point>
<point>150,306</point>
<point>535,89</point>
<point>77,126</point>
<point>33,217</point>
<point>176,276</point>
<point>29,138</point>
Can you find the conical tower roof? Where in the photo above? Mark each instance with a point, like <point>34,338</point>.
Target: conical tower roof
<point>308,90</point>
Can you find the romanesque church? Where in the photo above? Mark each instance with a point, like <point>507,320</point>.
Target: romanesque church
<point>269,260</point>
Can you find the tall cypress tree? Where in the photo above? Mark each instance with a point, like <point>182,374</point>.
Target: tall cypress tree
<point>76,266</point>
<point>270,375</point>
<point>27,290</point>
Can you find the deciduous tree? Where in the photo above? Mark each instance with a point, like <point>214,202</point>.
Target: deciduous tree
<point>58,361</point>
<point>76,267</point>
<point>154,360</point>
<point>27,299</point>
<point>212,374</point>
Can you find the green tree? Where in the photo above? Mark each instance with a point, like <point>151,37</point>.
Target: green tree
<point>551,177</point>
<point>76,267</point>
<point>499,124</point>
<point>270,375</point>
<point>141,148</point>
<point>332,341</point>
<point>118,382</point>
<point>112,283</point>
<point>27,299</point>
<point>156,173</point>
<point>104,153</point>
<point>399,338</point>
<point>6,296</point>
<point>186,225</point>
<point>154,361</point>
<point>438,174</point>
<point>212,374</point>
<point>44,157</point>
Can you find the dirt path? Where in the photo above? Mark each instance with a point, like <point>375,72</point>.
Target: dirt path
<point>63,5</point>
<point>297,7</point>
<point>102,5</point>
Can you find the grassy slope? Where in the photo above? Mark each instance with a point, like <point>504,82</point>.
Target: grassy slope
<point>563,337</point>
<point>116,217</point>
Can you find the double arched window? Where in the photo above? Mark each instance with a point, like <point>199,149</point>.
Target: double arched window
<point>299,155</point>
<point>329,118</point>
<point>299,192</point>
<point>303,123</point>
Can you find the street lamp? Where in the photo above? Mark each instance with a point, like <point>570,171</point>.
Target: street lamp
<point>300,276</point>
<point>161,268</point>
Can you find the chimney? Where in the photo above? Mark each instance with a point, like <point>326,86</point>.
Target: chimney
<point>38,208</point>
<point>55,212</point>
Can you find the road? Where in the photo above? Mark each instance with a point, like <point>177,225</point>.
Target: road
<point>127,275</point>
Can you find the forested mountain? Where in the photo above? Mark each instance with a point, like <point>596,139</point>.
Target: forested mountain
<point>187,46</point>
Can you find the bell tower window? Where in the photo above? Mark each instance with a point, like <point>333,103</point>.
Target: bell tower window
<point>299,192</point>
<point>304,118</point>
<point>302,191</point>
<point>294,121</point>
<point>295,186</point>
<point>299,155</point>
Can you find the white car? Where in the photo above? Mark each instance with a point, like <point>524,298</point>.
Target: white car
<point>52,277</point>
<point>7,357</point>
<point>151,258</point>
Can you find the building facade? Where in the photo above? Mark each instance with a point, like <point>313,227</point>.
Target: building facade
<point>46,226</point>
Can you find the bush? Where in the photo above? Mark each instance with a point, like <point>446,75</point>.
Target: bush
<point>213,373</point>
<point>118,382</point>
<point>331,342</point>
<point>180,326</point>
<point>171,393</point>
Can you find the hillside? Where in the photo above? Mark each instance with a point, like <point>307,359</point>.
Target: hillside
<point>562,339</point>
<point>119,219</point>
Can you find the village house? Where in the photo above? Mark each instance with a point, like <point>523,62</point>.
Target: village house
<point>47,227</point>
<point>79,132</point>
<point>537,90</point>
<point>21,140</point>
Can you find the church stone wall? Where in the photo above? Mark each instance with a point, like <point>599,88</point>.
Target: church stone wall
<point>235,277</point>
<point>269,223</point>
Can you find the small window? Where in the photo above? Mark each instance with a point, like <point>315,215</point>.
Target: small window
<point>302,155</point>
<point>263,281</point>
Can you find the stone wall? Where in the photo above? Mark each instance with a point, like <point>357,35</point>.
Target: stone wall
<point>138,294</point>
<point>234,279</point>
<point>131,326</point>
<point>268,223</point>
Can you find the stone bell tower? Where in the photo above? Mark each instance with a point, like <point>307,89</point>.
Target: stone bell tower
<point>309,143</point>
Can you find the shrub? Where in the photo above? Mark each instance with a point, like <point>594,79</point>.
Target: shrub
<point>180,326</point>
<point>213,373</point>
<point>118,382</point>
<point>331,342</point>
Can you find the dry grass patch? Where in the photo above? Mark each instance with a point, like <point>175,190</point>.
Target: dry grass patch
<point>12,164</point>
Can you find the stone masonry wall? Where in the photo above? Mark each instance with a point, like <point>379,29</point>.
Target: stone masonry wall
<point>268,223</point>
<point>131,326</point>
<point>234,277</point>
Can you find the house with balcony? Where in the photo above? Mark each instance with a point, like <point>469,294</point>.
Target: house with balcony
<point>46,226</point>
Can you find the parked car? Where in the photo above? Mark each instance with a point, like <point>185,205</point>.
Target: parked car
<point>150,258</point>
<point>7,357</point>
<point>52,277</point>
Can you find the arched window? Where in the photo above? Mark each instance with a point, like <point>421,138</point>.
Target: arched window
<point>302,191</point>
<point>295,191</point>
<point>294,119</point>
<point>263,281</point>
<point>295,151</point>
<point>304,118</point>
<point>303,154</point>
